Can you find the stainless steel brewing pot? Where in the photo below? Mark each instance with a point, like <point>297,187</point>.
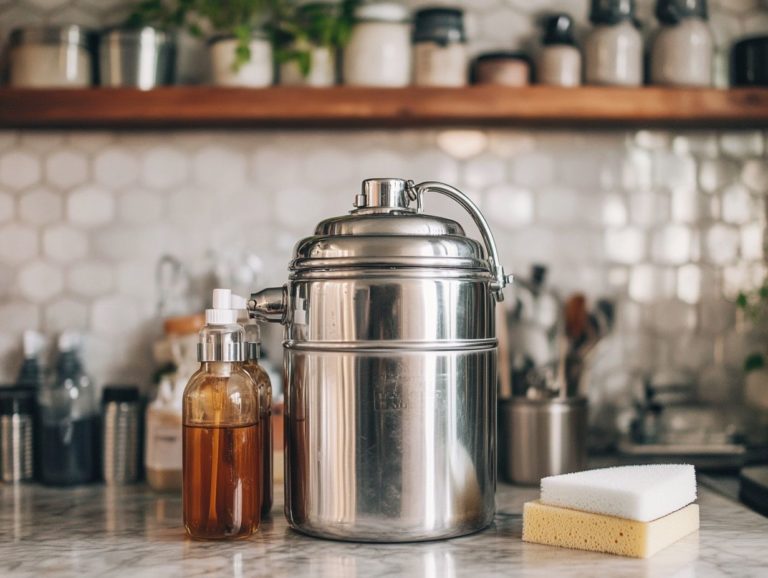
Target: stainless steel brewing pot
<point>390,362</point>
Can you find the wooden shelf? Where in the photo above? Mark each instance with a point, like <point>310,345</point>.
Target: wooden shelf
<point>195,107</point>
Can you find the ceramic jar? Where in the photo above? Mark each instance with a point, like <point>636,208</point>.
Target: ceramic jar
<point>50,57</point>
<point>559,62</point>
<point>439,48</point>
<point>683,48</point>
<point>379,50</point>
<point>258,72</point>
<point>613,50</point>
<point>502,68</point>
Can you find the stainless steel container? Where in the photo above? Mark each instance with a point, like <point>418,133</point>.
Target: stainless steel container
<point>390,361</point>
<point>542,437</point>
<point>143,58</point>
<point>17,409</point>
<point>120,434</point>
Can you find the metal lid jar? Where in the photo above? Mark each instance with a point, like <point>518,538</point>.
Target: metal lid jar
<point>390,355</point>
<point>50,57</point>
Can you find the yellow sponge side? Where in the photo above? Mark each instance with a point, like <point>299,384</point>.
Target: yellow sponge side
<point>555,526</point>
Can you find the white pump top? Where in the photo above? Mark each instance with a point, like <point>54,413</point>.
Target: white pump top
<point>69,341</point>
<point>225,309</point>
<point>33,344</point>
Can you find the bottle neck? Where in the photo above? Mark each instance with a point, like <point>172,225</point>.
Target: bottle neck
<point>30,374</point>
<point>68,365</point>
<point>252,351</point>
<point>220,368</point>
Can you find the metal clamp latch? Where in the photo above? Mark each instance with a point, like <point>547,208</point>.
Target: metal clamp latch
<point>416,192</point>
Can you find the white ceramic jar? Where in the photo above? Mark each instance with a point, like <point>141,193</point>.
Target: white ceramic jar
<point>50,57</point>
<point>439,48</point>
<point>379,49</point>
<point>559,62</point>
<point>322,69</point>
<point>682,51</point>
<point>258,72</point>
<point>613,49</point>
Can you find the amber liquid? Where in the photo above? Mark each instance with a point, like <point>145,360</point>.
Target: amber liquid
<point>222,481</point>
<point>261,379</point>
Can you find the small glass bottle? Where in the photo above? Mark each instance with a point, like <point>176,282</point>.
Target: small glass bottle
<point>222,433</point>
<point>262,381</point>
<point>613,49</point>
<point>68,420</point>
<point>682,51</point>
<point>32,372</point>
<point>559,60</point>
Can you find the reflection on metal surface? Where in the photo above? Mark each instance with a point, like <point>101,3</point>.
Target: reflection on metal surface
<point>390,359</point>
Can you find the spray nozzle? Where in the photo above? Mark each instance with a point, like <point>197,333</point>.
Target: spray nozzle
<point>33,344</point>
<point>226,307</point>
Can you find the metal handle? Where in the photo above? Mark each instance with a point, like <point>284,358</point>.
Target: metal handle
<point>269,304</point>
<point>416,192</point>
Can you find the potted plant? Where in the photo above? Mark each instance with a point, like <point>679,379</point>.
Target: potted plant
<point>754,304</point>
<point>240,48</point>
<point>309,37</point>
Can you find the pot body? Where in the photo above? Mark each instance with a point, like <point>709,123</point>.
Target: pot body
<point>390,406</point>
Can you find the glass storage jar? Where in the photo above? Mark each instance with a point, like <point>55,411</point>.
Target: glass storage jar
<point>613,49</point>
<point>682,51</point>
<point>379,50</point>
<point>559,61</point>
<point>440,48</point>
<point>50,57</point>
<point>502,68</point>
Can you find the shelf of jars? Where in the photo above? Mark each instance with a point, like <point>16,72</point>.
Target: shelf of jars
<point>348,107</point>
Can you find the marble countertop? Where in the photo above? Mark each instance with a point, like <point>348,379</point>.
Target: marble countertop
<point>117,532</point>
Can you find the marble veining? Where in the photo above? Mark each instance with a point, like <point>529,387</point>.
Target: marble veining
<point>125,532</point>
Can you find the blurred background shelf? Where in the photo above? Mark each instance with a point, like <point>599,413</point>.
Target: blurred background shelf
<point>343,107</point>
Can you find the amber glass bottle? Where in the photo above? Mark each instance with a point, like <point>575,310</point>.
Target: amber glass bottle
<point>222,434</point>
<point>264,385</point>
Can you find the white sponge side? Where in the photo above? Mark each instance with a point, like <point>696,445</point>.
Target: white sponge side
<point>641,493</point>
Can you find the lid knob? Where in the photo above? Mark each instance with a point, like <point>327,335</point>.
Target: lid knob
<point>383,194</point>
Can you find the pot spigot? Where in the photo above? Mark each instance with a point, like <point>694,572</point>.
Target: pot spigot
<point>269,304</point>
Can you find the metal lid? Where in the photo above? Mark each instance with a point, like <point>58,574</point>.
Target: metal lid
<point>442,25</point>
<point>611,12</point>
<point>558,30</point>
<point>385,231</point>
<point>16,400</point>
<point>120,394</point>
<point>67,34</point>
<point>146,35</point>
<point>673,12</point>
<point>382,12</point>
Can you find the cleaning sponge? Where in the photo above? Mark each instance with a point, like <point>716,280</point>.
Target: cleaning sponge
<point>641,493</point>
<point>573,529</point>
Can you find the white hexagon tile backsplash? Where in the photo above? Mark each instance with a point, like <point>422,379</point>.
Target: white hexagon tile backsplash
<point>655,219</point>
<point>669,223</point>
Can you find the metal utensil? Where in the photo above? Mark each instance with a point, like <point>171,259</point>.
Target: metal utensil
<point>542,437</point>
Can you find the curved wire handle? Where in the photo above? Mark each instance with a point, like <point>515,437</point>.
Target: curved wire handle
<point>415,193</point>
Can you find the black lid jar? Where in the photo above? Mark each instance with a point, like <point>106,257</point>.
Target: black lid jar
<point>610,12</point>
<point>440,25</point>
<point>749,62</point>
<point>440,53</point>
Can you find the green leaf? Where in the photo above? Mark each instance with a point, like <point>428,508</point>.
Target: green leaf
<point>753,362</point>
<point>742,300</point>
